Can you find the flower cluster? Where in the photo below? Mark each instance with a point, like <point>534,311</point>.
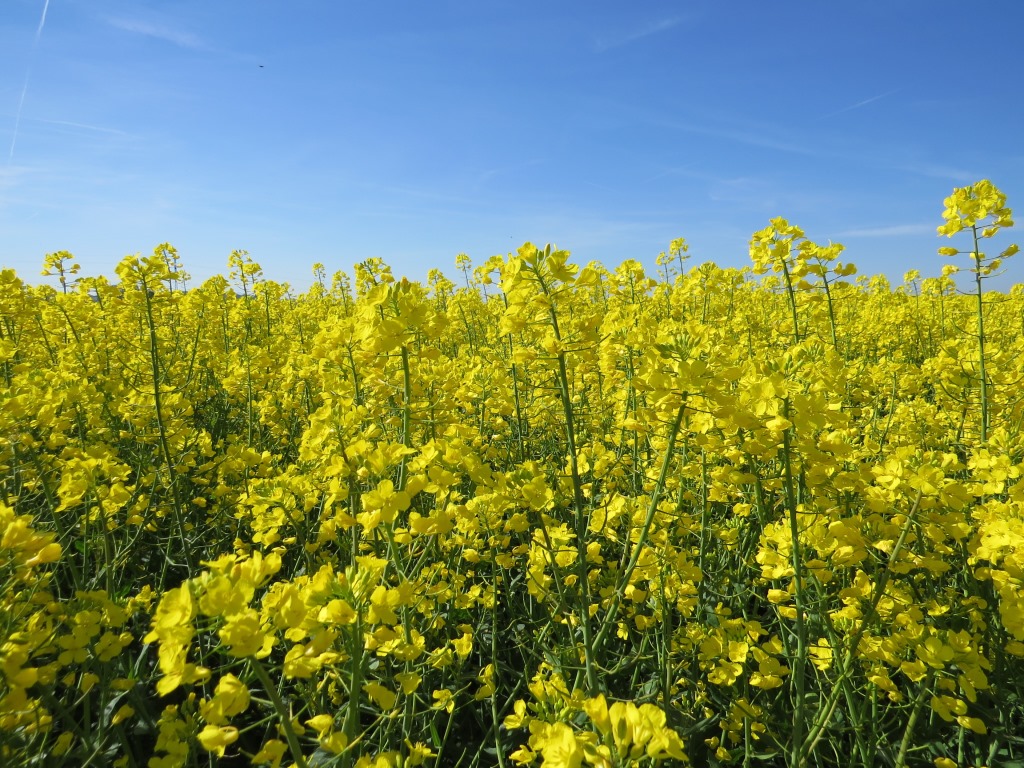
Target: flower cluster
<point>559,515</point>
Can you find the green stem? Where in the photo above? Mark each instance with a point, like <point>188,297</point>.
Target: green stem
<point>579,505</point>
<point>705,511</point>
<point>620,589</point>
<point>846,670</point>
<point>981,339</point>
<point>831,315</point>
<point>406,414</point>
<point>495,721</point>
<point>520,424</point>
<point>355,682</point>
<point>154,356</point>
<point>908,734</point>
<point>792,303</point>
<point>798,677</point>
<point>282,713</point>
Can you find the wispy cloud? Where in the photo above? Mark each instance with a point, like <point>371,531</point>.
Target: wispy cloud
<point>742,189</point>
<point>716,124</point>
<point>159,31</point>
<point>681,171</point>
<point>12,174</point>
<point>28,75</point>
<point>860,104</point>
<point>489,173</point>
<point>893,230</point>
<point>603,44</point>
<point>936,171</point>
<point>588,231</point>
<point>80,126</point>
<point>745,137</point>
<point>421,194</point>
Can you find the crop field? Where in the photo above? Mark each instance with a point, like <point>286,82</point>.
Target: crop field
<point>546,513</point>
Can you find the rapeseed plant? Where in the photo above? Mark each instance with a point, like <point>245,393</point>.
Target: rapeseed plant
<point>556,515</point>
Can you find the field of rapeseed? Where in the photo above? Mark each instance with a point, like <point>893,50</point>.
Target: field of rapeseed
<point>553,515</point>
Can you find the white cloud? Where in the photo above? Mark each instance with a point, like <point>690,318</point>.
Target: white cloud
<point>159,31</point>
<point>740,136</point>
<point>82,126</point>
<point>859,104</point>
<point>606,44</point>
<point>940,172</point>
<point>894,230</point>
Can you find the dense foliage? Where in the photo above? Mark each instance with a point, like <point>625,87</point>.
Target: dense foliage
<point>561,515</point>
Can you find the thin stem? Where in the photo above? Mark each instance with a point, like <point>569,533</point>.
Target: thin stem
<point>282,712</point>
<point>154,356</point>
<point>641,542</point>
<point>589,649</point>
<point>981,339</point>
<point>792,302</point>
<point>798,677</point>
<point>908,733</point>
<point>826,712</point>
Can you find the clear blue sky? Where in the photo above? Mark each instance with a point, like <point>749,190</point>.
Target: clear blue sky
<point>413,130</point>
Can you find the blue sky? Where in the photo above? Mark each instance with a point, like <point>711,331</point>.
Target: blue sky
<point>330,131</point>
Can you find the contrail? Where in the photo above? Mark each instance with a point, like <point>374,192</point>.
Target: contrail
<point>28,74</point>
<point>860,104</point>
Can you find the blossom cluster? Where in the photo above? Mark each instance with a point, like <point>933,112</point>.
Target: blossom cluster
<point>557,516</point>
